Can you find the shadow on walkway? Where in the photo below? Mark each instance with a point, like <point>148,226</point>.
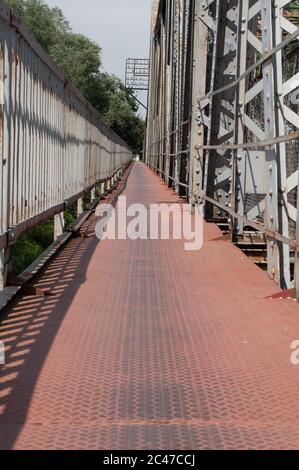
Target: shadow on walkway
<point>30,324</point>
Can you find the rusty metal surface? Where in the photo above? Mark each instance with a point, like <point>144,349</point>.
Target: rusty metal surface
<point>142,345</point>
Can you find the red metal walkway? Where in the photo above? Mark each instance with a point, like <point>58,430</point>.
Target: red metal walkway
<point>145,345</point>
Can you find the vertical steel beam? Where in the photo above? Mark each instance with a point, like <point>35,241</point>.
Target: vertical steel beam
<point>283,217</point>
<point>196,162</point>
<point>221,119</point>
<point>271,177</point>
<point>168,89</point>
<point>238,178</point>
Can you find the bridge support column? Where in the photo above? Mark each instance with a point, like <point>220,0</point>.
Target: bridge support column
<point>80,207</point>
<point>58,225</point>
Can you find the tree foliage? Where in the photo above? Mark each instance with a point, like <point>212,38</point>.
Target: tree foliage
<point>80,59</point>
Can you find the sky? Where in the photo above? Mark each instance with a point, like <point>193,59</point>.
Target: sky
<point>120,27</point>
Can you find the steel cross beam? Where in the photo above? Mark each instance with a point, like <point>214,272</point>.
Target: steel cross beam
<point>258,102</point>
<point>227,73</point>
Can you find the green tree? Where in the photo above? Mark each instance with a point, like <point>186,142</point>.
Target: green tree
<point>80,59</point>
<point>46,24</point>
<point>119,112</point>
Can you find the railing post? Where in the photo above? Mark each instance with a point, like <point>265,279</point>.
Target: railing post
<point>102,188</point>
<point>296,261</point>
<point>80,206</point>
<point>58,225</point>
<point>4,266</point>
<point>296,267</point>
<point>93,194</point>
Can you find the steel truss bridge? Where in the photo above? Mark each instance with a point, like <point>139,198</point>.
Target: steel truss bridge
<point>138,343</point>
<point>223,118</point>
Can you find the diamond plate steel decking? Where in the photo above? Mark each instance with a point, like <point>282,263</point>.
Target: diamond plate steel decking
<point>142,345</point>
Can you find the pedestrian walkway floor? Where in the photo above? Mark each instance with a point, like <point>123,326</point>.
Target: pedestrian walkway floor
<point>143,345</point>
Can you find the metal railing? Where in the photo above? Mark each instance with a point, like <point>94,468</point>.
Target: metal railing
<point>232,68</point>
<point>53,144</point>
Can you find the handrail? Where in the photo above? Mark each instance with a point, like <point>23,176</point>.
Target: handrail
<point>53,143</point>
